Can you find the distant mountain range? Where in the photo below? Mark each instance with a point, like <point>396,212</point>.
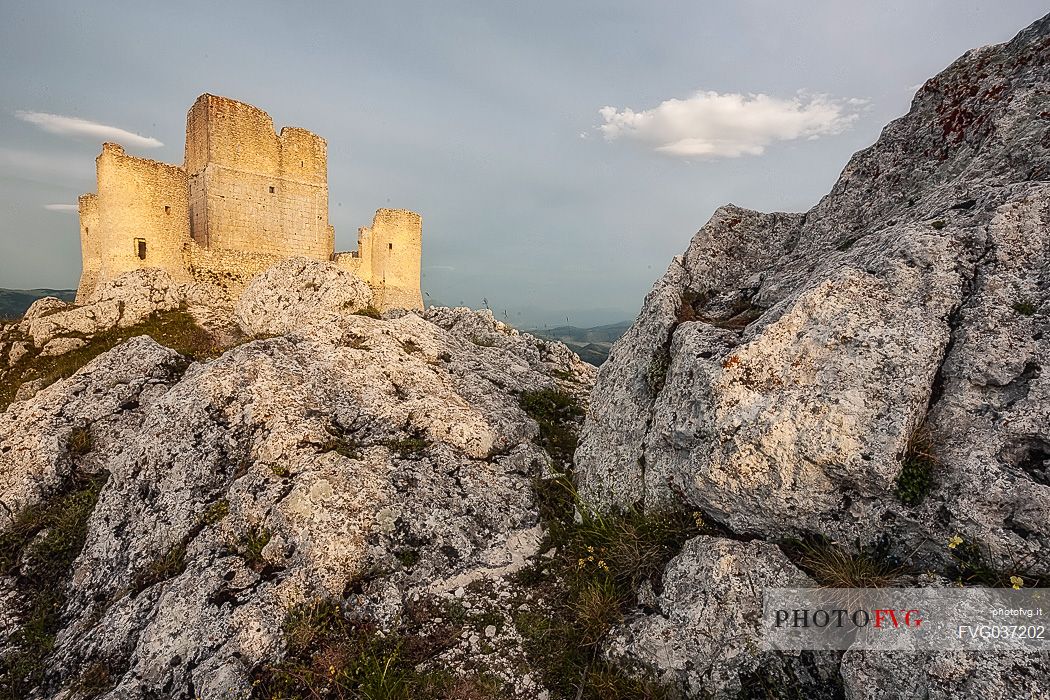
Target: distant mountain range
<point>591,344</point>
<point>14,302</point>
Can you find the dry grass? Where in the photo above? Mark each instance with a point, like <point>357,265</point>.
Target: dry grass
<point>834,566</point>
<point>80,442</point>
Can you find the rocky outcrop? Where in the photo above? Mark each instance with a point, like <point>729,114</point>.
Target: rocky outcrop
<point>386,462</point>
<point>872,371</point>
<point>120,303</point>
<point>296,290</point>
<point>707,636</point>
<point>780,368</point>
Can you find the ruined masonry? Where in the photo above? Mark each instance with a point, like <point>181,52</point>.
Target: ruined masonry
<point>245,199</point>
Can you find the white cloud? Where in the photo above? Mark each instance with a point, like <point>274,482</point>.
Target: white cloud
<point>73,126</point>
<point>61,207</point>
<point>712,125</point>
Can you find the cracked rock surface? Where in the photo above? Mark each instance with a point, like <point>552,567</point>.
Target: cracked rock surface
<point>785,367</point>
<point>287,470</point>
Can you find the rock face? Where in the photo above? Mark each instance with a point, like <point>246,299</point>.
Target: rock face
<point>296,290</point>
<point>872,371</point>
<point>287,470</point>
<point>779,369</point>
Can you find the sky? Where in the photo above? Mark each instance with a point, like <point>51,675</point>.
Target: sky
<point>560,153</point>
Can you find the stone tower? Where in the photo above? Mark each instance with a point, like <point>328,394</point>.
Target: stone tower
<point>253,189</point>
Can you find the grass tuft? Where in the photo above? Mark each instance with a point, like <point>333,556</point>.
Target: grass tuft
<point>80,441</point>
<point>1026,307</point>
<point>408,448</point>
<point>330,657</point>
<point>251,545</point>
<point>166,566</point>
<point>370,312</point>
<point>834,566</point>
<point>916,478</point>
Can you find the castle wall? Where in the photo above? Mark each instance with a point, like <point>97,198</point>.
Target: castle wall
<point>388,258</point>
<point>142,214</point>
<point>252,189</point>
<point>231,270</point>
<point>90,253</point>
<point>246,199</point>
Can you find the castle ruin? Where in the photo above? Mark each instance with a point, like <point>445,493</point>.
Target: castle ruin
<point>244,199</point>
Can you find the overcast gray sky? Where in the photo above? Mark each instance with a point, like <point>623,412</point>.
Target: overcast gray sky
<point>560,152</point>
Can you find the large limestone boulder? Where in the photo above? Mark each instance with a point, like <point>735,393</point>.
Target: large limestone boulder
<point>871,370</point>
<point>380,462</point>
<point>703,638</point>
<point>109,390</point>
<point>295,291</point>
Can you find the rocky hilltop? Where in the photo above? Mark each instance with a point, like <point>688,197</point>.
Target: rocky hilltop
<point>301,497</point>
<point>868,376</point>
<point>166,519</point>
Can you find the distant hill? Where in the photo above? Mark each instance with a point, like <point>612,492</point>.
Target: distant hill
<point>591,344</point>
<point>14,302</point>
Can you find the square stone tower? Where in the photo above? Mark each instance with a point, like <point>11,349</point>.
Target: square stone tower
<point>251,189</point>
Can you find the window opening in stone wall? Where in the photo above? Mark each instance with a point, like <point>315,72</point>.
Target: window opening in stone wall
<point>271,190</point>
<point>140,248</point>
<point>167,210</point>
<point>390,246</point>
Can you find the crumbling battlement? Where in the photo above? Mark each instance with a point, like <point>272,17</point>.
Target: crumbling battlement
<point>246,197</point>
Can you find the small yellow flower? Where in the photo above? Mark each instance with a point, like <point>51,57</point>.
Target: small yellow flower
<point>954,542</point>
<point>602,565</point>
<point>590,549</point>
<point>1016,582</point>
<point>698,518</point>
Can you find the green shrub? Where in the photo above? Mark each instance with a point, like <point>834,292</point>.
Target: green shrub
<point>916,478</point>
<point>1026,307</point>
<point>558,414</point>
<point>938,225</point>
